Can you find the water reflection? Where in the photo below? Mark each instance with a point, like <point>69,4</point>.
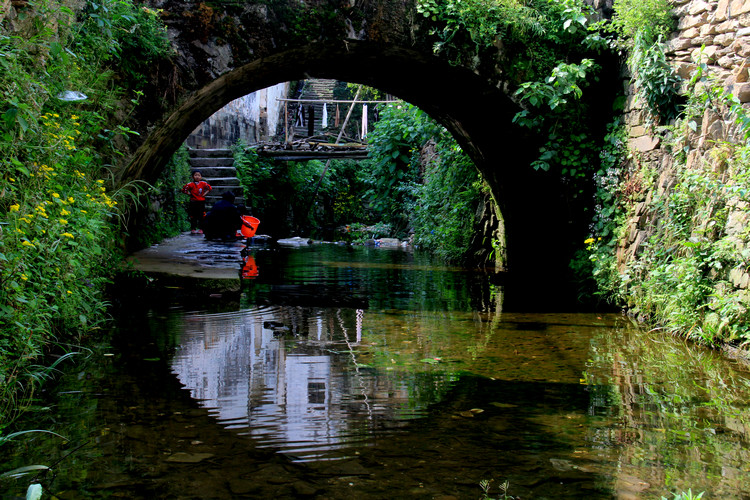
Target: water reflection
<point>678,414</point>
<point>292,378</point>
<point>424,393</point>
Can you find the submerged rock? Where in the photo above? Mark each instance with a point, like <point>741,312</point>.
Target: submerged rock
<point>188,458</point>
<point>297,241</point>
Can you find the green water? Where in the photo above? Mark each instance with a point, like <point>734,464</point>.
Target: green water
<point>370,373</point>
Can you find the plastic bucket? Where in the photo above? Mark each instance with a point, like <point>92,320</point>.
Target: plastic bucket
<point>249,232</point>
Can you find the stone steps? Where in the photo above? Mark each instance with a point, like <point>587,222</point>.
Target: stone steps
<point>217,168</point>
<point>202,163</point>
<point>317,89</point>
<point>211,153</point>
<point>216,172</point>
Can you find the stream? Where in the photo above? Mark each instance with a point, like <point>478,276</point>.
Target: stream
<point>334,372</point>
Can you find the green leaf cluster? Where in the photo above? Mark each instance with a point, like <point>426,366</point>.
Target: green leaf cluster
<point>60,215</point>
<point>654,79</point>
<point>316,195</point>
<point>652,19</point>
<point>421,181</point>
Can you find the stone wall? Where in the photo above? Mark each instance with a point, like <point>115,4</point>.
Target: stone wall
<point>252,118</point>
<point>717,34</point>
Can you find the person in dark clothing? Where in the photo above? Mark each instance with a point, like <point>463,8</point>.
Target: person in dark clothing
<point>224,219</point>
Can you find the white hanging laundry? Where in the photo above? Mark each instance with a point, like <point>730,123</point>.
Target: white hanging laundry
<point>324,120</point>
<point>364,121</point>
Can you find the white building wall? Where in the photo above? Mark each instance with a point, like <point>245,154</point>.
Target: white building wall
<point>251,118</point>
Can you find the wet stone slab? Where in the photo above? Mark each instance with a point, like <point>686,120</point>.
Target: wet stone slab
<point>191,255</point>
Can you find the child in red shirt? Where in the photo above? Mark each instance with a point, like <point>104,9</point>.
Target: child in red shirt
<point>198,189</point>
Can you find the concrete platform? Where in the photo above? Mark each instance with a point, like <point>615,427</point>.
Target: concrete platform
<point>191,255</point>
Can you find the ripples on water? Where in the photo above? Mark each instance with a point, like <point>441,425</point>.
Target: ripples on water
<point>292,378</point>
<point>367,374</point>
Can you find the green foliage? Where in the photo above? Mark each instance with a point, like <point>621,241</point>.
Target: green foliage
<point>683,278</point>
<point>337,200</point>
<point>482,21</point>
<point>565,82</point>
<point>421,179</point>
<point>651,19</point>
<point>394,160</point>
<point>170,218</point>
<point>553,108</point>
<point>654,79</point>
<point>686,495</point>
<point>59,212</point>
<point>443,215</point>
<point>538,34</point>
<point>120,35</point>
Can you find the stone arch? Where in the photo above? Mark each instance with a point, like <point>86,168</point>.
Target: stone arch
<point>475,111</point>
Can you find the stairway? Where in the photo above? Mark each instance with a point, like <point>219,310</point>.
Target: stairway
<point>217,168</point>
<point>321,90</point>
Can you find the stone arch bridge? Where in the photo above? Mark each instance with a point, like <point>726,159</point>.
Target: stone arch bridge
<point>227,49</point>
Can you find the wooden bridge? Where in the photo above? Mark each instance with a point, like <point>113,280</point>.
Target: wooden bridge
<point>310,149</point>
<point>308,114</point>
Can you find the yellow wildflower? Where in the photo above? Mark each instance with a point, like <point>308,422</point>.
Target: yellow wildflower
<point>71,199</point>
<point>62,221</point>
<point>589,241</point>
<point>84,212</point>
<point>15,208</point>
<point>64,212</point>
<point>69,292</point>
<point>24,277</point>
<point>73,117</point>
<point>55,195</point>
<point>27,243</point>
<point>68,235</point>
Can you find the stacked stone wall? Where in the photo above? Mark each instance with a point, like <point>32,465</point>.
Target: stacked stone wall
<point>718,35</point>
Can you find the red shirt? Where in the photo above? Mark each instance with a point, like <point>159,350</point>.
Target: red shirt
<point>197,190</point>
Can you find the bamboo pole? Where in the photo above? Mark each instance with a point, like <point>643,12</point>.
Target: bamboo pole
<point>286,123</point>
<point>341,101</point>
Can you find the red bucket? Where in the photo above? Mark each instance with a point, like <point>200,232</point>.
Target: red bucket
<point>249,232</point>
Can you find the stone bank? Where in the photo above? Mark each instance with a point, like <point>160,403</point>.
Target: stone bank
<point>716,35</point>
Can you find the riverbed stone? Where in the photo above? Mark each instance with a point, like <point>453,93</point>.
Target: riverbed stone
<point>188,458</point>
<point>304,489</point>
<point>389,242</point>
<point>243,486</point>
<point>296,241</point>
